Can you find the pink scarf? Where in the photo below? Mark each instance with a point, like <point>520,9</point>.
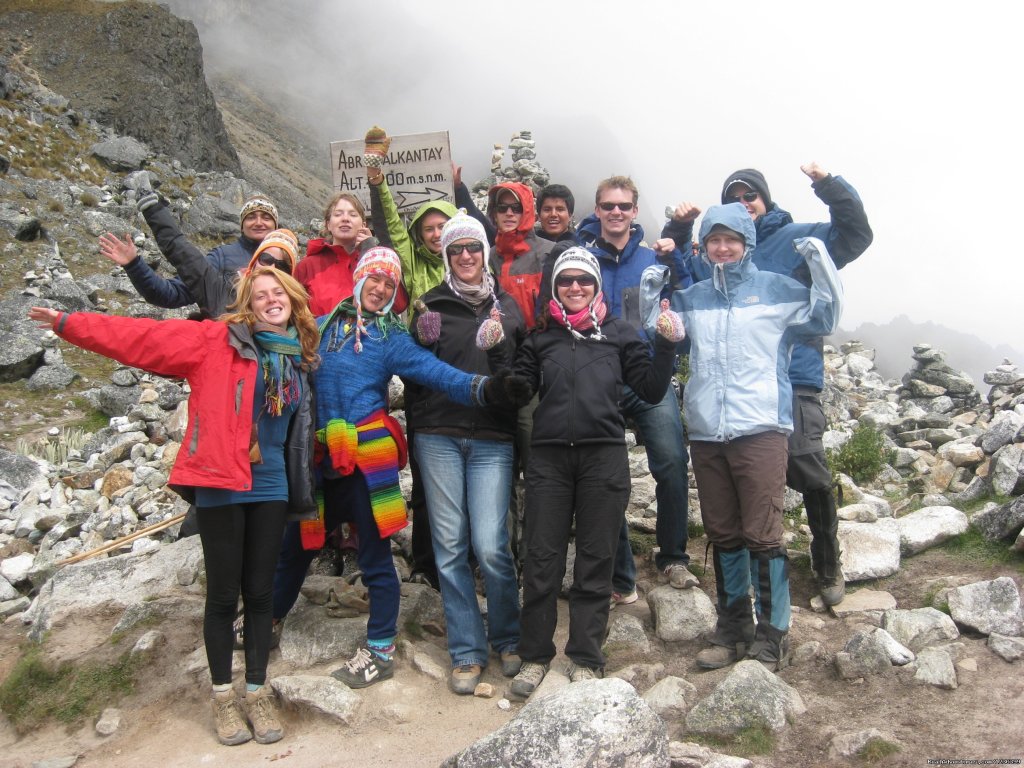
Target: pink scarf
<point>589,317</point>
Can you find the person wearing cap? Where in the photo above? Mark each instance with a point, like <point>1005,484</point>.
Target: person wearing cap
<point>555,206</point>
<point>211,289</point>
<point>360,449</point>
<point>244,460</point>
<point>579,359</point>
<point>257,217</point>
<point>846,235</point>
<point>614,237</point>
<point>742,323</point>
<point>465,456</point>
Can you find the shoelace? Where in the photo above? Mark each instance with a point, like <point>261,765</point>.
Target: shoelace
<point>230,707</point>
<point>360,661</point>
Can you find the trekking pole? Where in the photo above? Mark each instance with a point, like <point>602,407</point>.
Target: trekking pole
<point>110,545</point>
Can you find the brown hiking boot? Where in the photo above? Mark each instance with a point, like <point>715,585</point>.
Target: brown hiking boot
<point>263,715</point>
<point>718,656</point>
<point>229,720</point>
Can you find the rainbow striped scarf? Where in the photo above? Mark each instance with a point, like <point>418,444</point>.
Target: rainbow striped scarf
<point>370,446</point>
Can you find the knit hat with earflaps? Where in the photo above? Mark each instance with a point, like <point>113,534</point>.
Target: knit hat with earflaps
<point>374,261</point>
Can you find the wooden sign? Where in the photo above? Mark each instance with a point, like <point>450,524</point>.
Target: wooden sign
<point>417,169</point>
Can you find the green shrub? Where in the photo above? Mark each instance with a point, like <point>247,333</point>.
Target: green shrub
<point>89,200</point>
<point>877,749</point>
<point>862,456</point>
<point>36,692</point>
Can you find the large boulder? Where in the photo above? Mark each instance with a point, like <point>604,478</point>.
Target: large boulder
<point>589,724</point>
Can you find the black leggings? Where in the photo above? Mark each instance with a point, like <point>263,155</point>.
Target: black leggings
<point>240,546</point>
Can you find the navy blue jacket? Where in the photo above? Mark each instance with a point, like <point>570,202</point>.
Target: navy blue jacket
<point>621,270</point>
<point>171,293</point>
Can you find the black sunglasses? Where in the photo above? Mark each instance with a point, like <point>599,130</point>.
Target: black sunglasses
<point>456,249</point>
<point>266,260</point>
<point>747,197</point>
<point>584,281</point>
<point>506,207</point>
<point>613,206</point>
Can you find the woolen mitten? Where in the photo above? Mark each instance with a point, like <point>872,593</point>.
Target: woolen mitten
<point>490,331</point>
<point>376,147</point>
<point>669,324</point>
<point>428,324</point>
<point>147,201</point>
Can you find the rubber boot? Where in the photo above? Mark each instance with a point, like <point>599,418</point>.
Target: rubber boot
<point>734,630</point>
<point>769,571</point>
<point>824,524</point>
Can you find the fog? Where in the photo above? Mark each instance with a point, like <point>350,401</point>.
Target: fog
<point>913,103</point>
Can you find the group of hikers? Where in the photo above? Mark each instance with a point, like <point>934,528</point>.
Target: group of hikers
<point>526,345</point>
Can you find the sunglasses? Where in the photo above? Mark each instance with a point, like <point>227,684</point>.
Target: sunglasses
<point>506,207</point>
<point>584,281</point>
<point>746,197</point>
<point>612,206</point>
<point>266,260</point>
<point>455,250</point>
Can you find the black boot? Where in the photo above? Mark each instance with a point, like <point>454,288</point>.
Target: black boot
<point>770,647</point>
<point>824,525</point>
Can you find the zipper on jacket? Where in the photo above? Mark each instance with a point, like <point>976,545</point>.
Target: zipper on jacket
<point>572,394</point>
<point>193,444</point>
<point>239,392</point>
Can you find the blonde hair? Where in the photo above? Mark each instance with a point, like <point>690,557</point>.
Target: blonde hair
<point>617,182</point>
<point>336,198</point>
<point>301,317</point>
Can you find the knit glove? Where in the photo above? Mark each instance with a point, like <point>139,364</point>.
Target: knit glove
<point>669,324</point>
<point>428,324</point>
<point>376,147</point>
<point>148,201</point>
<point>506,390</point>
<point>490,332</point>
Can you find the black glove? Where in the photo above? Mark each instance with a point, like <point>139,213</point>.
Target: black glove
<point>506,390</point>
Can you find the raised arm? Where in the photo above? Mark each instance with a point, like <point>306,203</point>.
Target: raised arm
<point>207,286</point>
<point>850,233</point>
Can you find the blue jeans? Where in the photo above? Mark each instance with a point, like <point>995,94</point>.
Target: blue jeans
<point>346,499</point>
<point>661,428</point>
<point>467,484</point>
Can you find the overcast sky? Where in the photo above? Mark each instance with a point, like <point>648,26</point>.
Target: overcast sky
<point>916,104</point>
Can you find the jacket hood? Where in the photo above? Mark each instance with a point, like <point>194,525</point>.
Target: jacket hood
<point>525,196</point>
<point>734,217</point>
<point>441,206</point>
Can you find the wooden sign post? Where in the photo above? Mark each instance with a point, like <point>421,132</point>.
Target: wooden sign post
<point>417,169</point>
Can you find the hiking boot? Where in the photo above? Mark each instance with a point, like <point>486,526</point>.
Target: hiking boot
<point>679,576</point>
<point>718,656</point>
<point>578,673</point>
<point>528,679</point>
<point>276,628</point>
<point>510,663</point>
<point>464,679</point>
<point>624,599</point>
<point>363,669</point>
<point>833,592</point>
<point>259,705</point>
<point>229,719</point>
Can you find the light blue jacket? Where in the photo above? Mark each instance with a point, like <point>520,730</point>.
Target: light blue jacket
<point>742,324</point>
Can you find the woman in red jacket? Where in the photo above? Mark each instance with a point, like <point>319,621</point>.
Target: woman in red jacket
<point>245,459</point>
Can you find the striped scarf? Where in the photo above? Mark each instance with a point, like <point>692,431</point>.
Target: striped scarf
<point>280,355</point>
<point>371,446</point>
